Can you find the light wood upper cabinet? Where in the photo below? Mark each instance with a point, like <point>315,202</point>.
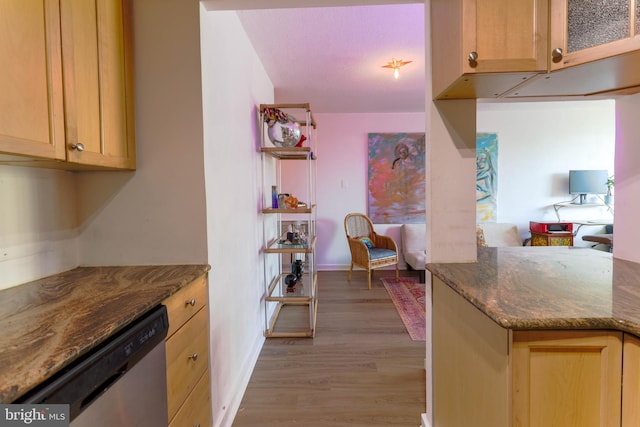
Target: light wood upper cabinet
<point>529,48</point>
<point>594,54</point>
<point>582,34</point>
<point>81,104</point>
<point>474,39</point>
<point>98,112</point>
<point>31,103</point>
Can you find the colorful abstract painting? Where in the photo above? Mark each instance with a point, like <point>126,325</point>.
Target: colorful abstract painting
<point>486,177</point>
<point>396,178</point>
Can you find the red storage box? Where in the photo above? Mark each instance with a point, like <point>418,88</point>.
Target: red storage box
<point>550,227</point>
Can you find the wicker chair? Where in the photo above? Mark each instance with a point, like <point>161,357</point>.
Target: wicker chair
<point>369,250</point>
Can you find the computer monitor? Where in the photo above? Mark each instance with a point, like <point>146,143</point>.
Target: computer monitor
<point>583,182</point>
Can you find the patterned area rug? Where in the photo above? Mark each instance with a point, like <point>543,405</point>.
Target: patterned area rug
<point>408,296</point>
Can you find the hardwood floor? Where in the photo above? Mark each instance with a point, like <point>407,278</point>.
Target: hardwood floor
<point>361,369</point>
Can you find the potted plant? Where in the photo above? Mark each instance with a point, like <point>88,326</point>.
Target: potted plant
<point>608,198</point>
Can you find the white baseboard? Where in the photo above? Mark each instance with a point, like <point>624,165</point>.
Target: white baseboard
<point>425,421</point>
<point>333,267</point>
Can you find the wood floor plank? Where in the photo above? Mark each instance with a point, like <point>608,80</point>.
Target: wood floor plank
<point>361,369</point>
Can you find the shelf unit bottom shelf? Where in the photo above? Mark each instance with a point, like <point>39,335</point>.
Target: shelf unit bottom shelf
<point>294,312</point>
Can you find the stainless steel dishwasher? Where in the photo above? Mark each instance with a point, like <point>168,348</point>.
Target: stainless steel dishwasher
<point>121,383</point>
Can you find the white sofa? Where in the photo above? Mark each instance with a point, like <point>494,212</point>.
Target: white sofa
<point>497,234</point>
<point>414,246</point>
<point>414,241</point>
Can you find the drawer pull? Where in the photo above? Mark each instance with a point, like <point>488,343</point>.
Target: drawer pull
<point>193,357</point>
<point>191,302</point>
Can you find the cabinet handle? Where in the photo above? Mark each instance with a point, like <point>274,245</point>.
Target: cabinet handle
<point>79,146</point>
<point>556,54</point>
<point>473,57</point>
<point>197,425</point>
<point>193,357</point>
<point>191,302</point>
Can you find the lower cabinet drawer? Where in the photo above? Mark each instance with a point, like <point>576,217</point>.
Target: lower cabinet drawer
<point>185,303</point>
<point>187,359</point>
<point>196,410</point>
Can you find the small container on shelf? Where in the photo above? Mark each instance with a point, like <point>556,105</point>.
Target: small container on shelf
<point>274,197</point>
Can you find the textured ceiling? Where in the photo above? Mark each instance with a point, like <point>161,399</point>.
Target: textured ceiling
<point>332,57</point>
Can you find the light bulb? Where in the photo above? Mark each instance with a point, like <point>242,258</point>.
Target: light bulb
<point>395,65</point>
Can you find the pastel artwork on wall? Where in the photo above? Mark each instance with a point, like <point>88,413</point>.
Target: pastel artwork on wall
<point>486,177</point>
<point>396,178</point>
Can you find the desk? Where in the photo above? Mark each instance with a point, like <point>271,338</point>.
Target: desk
<point>562,233</point>
<point>554,238</point>
<point>551,233</point>
<point>602,239</point>
<point>558,206</point>
<point>590,223</point>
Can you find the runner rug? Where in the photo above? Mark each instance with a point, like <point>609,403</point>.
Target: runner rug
<point>407,295</point>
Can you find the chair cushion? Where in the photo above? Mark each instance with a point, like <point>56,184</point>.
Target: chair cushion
<point>377,253</point>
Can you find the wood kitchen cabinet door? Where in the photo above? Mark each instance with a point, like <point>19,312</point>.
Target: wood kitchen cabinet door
<point>31,95</point>
<point>631,381</point>
<point>594,49</point>
<point>507,35</point>
<point>566,378</point>
<point>585,34</point>
<point>196,411</point>
<point>473,40</point>
<point>470,363</point>
<point>97,83</point>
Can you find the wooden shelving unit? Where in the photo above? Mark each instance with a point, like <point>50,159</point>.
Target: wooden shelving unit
<point>279,254</point>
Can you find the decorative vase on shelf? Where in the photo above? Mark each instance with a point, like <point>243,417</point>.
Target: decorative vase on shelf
<point>284,133</point>
<point>608,199</point>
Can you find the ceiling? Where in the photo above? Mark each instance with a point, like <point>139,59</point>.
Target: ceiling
<point>332,57</point>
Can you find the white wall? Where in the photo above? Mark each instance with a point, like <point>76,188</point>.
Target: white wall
<point>343,177</point>
<point>234,84</point>
<point>538,143</point>
<point>627,189</point>
<point>38,224</point>
<point>155,215</point>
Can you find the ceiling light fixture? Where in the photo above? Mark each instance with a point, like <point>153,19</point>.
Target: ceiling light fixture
<point>396,64</point>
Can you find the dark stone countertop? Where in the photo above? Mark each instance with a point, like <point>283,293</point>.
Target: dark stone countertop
<point>549,288</point>
<point>48,323</point>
